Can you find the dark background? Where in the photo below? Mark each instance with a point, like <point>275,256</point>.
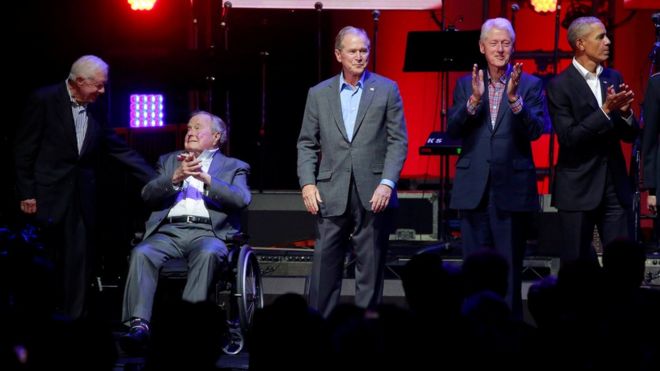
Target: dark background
<point>194,64</point>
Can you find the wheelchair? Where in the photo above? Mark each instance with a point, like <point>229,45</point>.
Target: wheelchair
<point>238,291</point>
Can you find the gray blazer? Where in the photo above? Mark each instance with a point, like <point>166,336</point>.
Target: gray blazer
<point>227,195</point>
<point>378,149</point>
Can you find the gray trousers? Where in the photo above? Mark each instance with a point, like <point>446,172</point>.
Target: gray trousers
<point>367,233</point>
<point>197,243</point>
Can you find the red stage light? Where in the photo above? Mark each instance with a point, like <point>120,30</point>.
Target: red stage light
<point>142,4</point>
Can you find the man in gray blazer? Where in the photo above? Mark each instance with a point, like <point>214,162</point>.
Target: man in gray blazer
<point>196,202</point>
<point>351,149</point>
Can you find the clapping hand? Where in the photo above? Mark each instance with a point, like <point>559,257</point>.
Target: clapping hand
<point>620,101</point>
<point>514,81</point>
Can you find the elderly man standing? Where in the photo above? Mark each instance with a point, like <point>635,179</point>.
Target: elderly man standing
<point>591,112</point>
<point>351,149</point>
<point>497,113</point>
<point>196,200</point>
<point>59,147</point>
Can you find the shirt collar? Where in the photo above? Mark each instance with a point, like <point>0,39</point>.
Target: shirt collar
<point>343,84</point>
<point>503,77</point>
<point>207,154</point>
<point>584,72</point>
<point>73,101</point>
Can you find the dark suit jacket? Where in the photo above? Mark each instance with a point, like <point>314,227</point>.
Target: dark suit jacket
<point>48,165</point>
<point>378,149</point>
<point>650,148</point>
<point>589,142</point>
<point>502,154</point>
<point>227,195</point>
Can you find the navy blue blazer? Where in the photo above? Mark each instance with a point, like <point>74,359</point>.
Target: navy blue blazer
<point>589,142</point>
<point>499,156</point>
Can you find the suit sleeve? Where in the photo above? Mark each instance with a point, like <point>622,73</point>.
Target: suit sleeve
<point>650,139</point>
<point>160,189</point>
<point>235,195</point>
<point>459,121</point>
<point>572,132</point>
<point>136,164</point>
<point>534,111</point>
<point>397,136</point>
<point>309,146</point>
<point>27,141</point>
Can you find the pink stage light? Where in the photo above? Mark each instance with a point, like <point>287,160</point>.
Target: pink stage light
<point>146,110</point>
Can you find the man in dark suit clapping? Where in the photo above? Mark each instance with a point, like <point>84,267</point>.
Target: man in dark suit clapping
<point>497,113</point>
<point>590,107</point>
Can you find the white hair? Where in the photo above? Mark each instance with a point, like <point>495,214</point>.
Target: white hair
<point>500,24</point>
<point>86,66</point>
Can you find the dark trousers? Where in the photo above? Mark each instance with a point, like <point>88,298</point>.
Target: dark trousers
<point>204,252</point>
<point>612,219</point>
<point>68,246</point>
<point>367,233</point>
<point>503,231</point>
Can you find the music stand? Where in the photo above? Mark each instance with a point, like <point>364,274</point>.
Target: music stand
<point>442,51</point>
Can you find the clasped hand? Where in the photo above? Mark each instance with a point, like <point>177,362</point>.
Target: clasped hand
<point>618,101</point>
<point>189,165</point>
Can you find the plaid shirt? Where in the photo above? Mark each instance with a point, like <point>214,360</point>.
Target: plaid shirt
<point>496,89</point>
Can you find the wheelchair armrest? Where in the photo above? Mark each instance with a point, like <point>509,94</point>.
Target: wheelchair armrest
<point>238,238</point>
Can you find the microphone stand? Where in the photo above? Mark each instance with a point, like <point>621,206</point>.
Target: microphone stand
<point>261,142</point>
<point>514,9</point>
<point>319,26</point>
<point>376,16</point>
<point>444,187</point>
<point>224,24</point>
<point>555,66</point>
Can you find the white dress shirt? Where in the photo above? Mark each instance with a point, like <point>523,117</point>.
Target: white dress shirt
<point>190,200</point>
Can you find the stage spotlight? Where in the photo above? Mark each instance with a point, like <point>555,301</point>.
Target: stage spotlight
<point>543,6</point>
<point>146,110</point>
<point>142,4</point>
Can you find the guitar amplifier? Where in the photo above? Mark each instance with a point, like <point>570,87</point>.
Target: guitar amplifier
<point>417,216</point>
<point>284,261</point>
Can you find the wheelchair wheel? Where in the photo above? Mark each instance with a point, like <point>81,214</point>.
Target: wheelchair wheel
<point>249,289</point>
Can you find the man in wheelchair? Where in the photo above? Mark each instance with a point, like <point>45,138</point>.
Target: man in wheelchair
<point>196,201</point>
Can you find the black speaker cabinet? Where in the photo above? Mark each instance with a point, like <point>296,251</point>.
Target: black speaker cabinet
<point>276,219</point>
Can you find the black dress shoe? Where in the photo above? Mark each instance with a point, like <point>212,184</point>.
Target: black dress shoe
<point>136,339</point>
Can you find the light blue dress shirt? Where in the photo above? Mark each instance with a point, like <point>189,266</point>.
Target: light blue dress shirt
<point>350,102</point>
